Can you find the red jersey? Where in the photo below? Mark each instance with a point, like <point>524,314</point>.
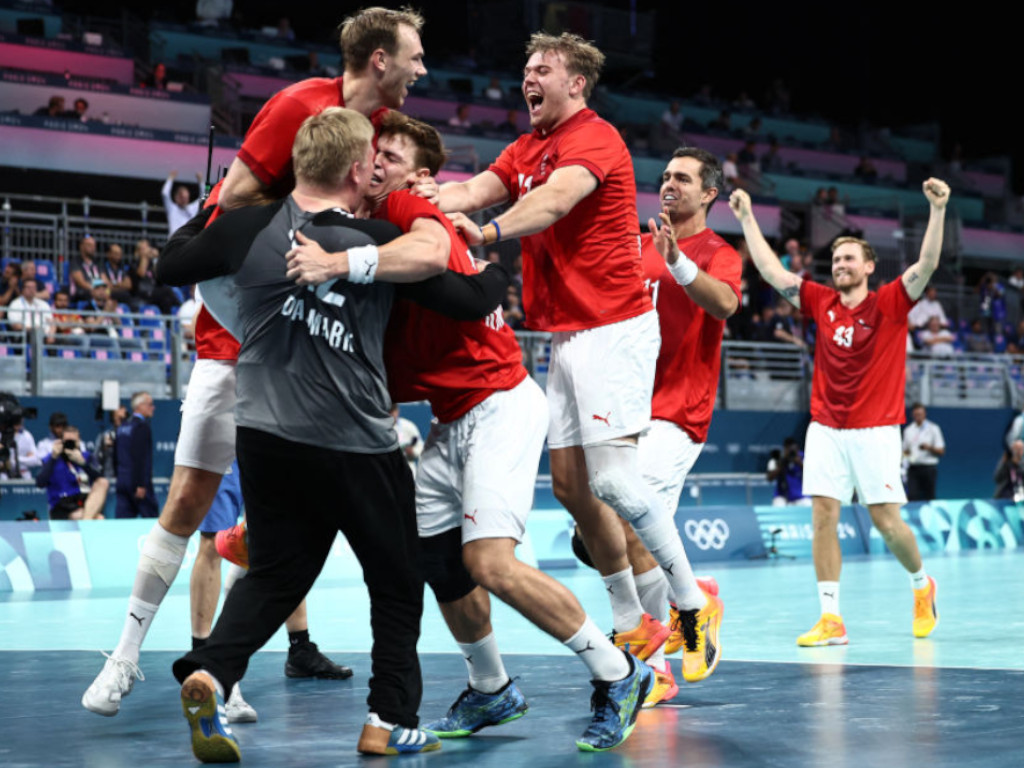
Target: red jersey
<point>267,152</point>
<point>686,379</point>
<point>453,364</point>
<point>860,356</point>
<point>584,270</point>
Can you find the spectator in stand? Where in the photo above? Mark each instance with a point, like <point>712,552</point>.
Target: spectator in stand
<point>12,283</point>
<point>771,161</point>
<point>753,128</point>
<point>80,112</point>
<point>744,102</point>
<point>1016,343</point>
<point>936,340</point>
<point>100,324</point>
<point>178,203</point>
<point>461,118</point>
<point>820,199</point>
<point>511,125</point>
<point>118,275</point>
<point>786,470</point>
<point>731,173</point>
<point>103,458</point>
<point>187,319</point>
<point>977,340</point>
<point>73,488</point>
<point>722,123</point>
<point>24,457</point>
<point>146,289</point>
<point>28,312</point>
<point>493,91</point>
<point>798,263</point>
<point>134,461</point>
<point>991,301</point>
<point>67,323</point>
<point>157,78</point>
<point>1009,474</point>
<point>55,108</point>
<point>866,171</point>
<point>835,205</point>
<point>1016,280</point>
<point>28,272</point>
<point>512,309</point>
<point>928,307</point>
<point>785,327</point>
<point>213,12</point>
<point>284,29</point>
<point>84,270</point>
<point>791,251</point>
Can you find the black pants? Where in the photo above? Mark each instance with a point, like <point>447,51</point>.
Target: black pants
<point>297,498</point>
<point>921,482</point>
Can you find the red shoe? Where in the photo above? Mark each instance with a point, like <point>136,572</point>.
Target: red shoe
<point>233,544</point>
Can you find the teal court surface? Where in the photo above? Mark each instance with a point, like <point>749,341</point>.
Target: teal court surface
<point>885,700</point>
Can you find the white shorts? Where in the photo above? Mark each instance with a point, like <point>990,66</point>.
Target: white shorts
<point>478,472</point>
<point>600,381</point>
<point>666,454</point>
<point>837,461</point>
<point>207,436</point>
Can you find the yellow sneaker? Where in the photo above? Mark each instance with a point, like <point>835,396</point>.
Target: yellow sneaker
<point>829,630</point>
<point>664,688</point>
<point>675,641</point>
<point>701,648</point>
<point>644,639</point>
<point>926,615</point>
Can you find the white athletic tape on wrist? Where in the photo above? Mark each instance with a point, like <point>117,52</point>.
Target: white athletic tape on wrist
<point>362,264</point>
<point>684,270</point>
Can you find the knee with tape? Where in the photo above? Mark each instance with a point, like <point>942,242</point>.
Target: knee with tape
<point>613,486</point>
<point>442,567</point>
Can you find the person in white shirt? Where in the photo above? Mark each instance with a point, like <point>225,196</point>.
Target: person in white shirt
<point>936,340</point>
<point>24,458</point>
<point>27,311</point>
<point>928,307</point>
<point>179,209</point>
<point>923,445</point>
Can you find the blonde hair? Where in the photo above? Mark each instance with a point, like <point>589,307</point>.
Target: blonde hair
<point>327,144</point>
<point>365,31</point>
<point>869,252</point>
<point>580,56</point>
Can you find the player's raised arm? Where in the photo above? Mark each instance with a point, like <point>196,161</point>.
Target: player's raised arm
<point>917,275</point>
<point>765,259</point>
<point>482,191</point>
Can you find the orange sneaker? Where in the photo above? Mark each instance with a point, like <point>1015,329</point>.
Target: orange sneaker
<point>664,688</point>
<point>644,639</point>
<point>829,630</point>
<point>702,649</point>
<point>926,615</point>
<point>708,586</point>
<point>233,544</point>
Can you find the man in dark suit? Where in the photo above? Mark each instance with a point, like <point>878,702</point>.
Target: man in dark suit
<point>134,461</point>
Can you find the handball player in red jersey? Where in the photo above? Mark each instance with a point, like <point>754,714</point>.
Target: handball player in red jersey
<point>383,57</point>
<point>857,401</point>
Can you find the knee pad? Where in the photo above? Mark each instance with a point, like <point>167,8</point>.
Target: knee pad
<point>616,489</point>
<point>441,564</point>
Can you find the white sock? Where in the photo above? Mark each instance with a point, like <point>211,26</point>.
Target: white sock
<point>828,594</point>
<point>663,541</point>
<point>604,660</point>
<point>235,572</point>
<point>159,562</point>
<point>919,580</point>
<point>483,662</point>
<point>652,587</point>
<point>626,610</point>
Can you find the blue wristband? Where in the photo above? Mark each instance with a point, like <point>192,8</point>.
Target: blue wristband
<point>497,230</point>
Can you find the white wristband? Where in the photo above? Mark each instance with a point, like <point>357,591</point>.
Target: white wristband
<point>362,264</point>
<point>684,270</point>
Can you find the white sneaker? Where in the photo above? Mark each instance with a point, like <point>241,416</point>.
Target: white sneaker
<point>114,682</point>
<point>237,709</point>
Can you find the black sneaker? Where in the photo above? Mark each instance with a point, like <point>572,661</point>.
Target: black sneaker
<point>305,660</point>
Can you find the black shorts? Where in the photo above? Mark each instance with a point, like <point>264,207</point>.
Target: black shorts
<point>66,505</point>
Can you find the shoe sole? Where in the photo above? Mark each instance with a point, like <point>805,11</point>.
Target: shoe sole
<point>198,703</point>
<point>463,733</point>
<point>290,671</point>
<point>97,710</point>
<point>844,640</point>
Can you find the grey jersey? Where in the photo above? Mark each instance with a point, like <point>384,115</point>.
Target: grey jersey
<point>310,367</point>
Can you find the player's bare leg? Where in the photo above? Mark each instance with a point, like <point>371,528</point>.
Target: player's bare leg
<point>204,586</point>
<point>469,618</point>
<point>828,562</point>
<point>897,535</point>
<point>93,507</point>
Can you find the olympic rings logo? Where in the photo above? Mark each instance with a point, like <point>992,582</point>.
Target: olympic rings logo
<point>707,534</point>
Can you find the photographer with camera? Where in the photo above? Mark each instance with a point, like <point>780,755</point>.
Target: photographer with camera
<point>786,469</point>
<point>74,489</point>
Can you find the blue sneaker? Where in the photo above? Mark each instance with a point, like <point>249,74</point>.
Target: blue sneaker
<point>212,741</point>
<point>474,710</point>
<point>615,706</point>
<point>381,738</point>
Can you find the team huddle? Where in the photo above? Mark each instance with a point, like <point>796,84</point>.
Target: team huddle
<point>337,277</point>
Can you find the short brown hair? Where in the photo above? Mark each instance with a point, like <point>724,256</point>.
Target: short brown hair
<point>580,56</point>
<point>430,152</point>
<point>365,31</point>
<point>327,144</point>
<point>869,252</point>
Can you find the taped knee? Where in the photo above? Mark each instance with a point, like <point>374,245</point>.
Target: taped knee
<point>614,488</point>
<point>162,554</point>
<point>442,567</point>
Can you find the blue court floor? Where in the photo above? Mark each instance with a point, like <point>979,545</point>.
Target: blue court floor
<point>886,699</point>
